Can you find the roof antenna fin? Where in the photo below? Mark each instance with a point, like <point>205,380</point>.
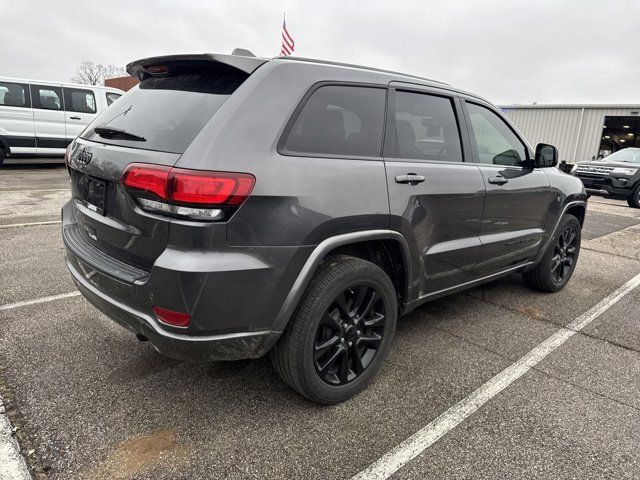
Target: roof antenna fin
<point>242,52</point>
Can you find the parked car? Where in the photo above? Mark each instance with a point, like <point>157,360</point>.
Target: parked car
<point>616,176</point>
<point>231,206</point>
<point>41,118</point>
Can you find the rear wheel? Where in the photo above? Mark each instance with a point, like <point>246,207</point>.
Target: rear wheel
<point>340,333</point>
<point>557,265</point>
<point>1,156</point>
<point>634,199</point>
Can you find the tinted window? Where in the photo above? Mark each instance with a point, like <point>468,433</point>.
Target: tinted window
<point>112,97</point>
<point>14,94</point>
<point>167,112</point>
<point>340,120</point>
<point>497,144</point>
<point>426,128</point>
<point>47,97</point>
<point>79,100</point>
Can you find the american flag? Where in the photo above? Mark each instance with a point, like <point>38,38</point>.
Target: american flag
<point>288,45</point>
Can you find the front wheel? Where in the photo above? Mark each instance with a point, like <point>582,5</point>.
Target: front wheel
<point>340,333</point>
<point>634,199</point>
<point>559,261</point>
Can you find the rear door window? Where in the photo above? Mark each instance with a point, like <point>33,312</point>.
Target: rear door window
<point>79,100</point>
<point>14,95</point>
<point>426,128</point>
<point>339,120</point>
<point>47,97</point>
<point>165,113</point>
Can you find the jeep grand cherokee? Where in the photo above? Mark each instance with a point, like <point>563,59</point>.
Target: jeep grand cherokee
<point>231,206</point>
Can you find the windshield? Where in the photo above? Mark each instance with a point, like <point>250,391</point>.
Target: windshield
<point>630,155</point>
<point>165,112</point>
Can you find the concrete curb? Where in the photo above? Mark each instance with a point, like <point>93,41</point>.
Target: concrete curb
<point>12,464</point>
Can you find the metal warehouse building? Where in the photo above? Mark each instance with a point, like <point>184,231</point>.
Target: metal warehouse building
<point>580,132</point>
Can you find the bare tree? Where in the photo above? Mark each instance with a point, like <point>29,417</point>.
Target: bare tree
<point>89,73</point>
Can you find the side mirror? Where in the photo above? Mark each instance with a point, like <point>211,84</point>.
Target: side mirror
<point>546,156</point>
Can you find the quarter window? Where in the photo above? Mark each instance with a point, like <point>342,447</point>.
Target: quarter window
<point>47,97</point>
<point>79,100</point>
<point>340,120</point>
<point>426,128</point>
<point>496,142</point>
<point>112,97</point>
<point>14,94</point>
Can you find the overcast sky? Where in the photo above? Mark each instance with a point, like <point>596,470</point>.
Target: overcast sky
<point>571,51</point>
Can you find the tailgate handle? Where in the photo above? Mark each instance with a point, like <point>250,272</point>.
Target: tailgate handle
<point>410,178</point>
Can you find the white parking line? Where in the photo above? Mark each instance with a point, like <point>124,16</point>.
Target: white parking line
<point>32,224</point>
<point>35,301</point>
<point>399,456</point>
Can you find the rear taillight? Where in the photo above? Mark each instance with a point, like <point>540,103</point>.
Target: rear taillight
<point>67,154</point>
<point>194,194</point>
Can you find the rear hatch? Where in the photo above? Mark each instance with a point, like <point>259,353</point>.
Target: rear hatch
<point>153,124</point>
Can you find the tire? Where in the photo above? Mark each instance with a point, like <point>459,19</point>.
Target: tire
<point>634,199</point>
<point>549,275</point>
<point>1,156</point>
<point>297,358</point>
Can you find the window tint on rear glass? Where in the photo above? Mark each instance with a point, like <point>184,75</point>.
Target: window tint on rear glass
<point>340,120</point>
<point>166,112</point>
<point>426,128</point>
<point>79,100</point>
<point>47,97</point>
<point>112,97</point>
<point>14,94</point>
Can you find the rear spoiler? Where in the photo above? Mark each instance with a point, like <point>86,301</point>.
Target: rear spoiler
<point>161,65</point>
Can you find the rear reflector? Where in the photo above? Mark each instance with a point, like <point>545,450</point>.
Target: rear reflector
<point>170,317</point>
<point>187,193</point>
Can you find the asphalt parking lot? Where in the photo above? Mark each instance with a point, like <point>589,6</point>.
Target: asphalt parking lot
<point>90,401</point>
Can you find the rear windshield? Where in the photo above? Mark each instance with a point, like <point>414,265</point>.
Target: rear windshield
<point>165,113</point>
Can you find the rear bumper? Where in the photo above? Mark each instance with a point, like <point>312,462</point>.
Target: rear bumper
<point>232,346</point>
<point>233,294</point>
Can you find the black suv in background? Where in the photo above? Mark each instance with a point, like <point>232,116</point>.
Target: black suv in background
<point>232,206</point>
<point>616,176</point>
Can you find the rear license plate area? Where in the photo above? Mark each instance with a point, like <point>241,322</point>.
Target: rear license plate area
<point>93,193</point>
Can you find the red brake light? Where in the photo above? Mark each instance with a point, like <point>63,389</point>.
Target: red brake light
<point>170,317</point>
<point>210,189</point>
<point>181,189</point>
<point>148,178</point>
<point>157,69</point>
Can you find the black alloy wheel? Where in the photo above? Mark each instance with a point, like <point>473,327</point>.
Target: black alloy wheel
<point>564,254</point>
<point>349,334</point>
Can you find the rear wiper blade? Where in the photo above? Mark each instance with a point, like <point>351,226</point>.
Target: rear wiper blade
<point>117,134</point>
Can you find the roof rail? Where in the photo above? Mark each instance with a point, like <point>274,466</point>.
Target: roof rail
<point>362,67</point>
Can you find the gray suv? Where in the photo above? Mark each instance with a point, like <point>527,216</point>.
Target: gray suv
<point>231,206</point>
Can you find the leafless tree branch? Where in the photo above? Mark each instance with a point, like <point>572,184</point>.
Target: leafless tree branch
<point>89,73</point>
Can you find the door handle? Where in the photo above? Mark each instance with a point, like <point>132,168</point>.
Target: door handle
<point>75,118</point>
<point>410,178</point>
<point>499,180</point>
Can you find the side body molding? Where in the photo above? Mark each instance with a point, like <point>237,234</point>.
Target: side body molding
<point>319,253</point>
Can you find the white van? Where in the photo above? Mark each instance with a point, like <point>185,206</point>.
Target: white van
<point>41,118</point>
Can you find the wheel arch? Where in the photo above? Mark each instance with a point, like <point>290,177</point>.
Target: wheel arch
<point>379,246</point>
<point>578,210</point>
